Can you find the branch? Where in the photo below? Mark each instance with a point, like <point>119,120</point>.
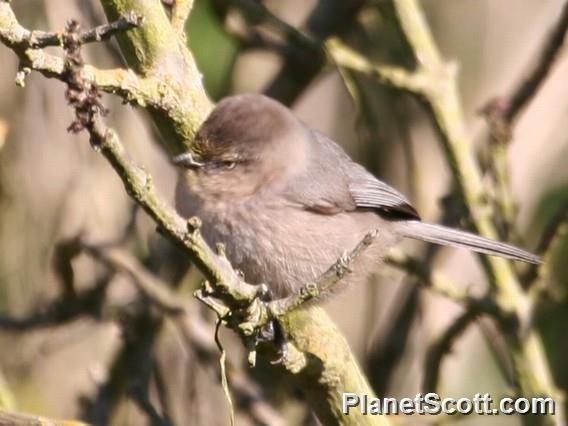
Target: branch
<point>20,419</point>
<point>88,302</point>
<point>147,283</point>
<point>40,39</point>
<point>194,329</point>
<point>303,51</point>
<point>442,347</point>
<point>549,246</point>
<point>329,368</point>
<point>392,76</point>
<point>330,278</point>
<point>439,283</point>
<point>257,13</point>
<point>300,68</point>
<point>527,89</point>
<point>502,112</point>
<point>154,53</point>
<point>443,103</point>
<point>180,12</point>
<point>144,92</point>
<point>434,82</point>
<point>442,100</point>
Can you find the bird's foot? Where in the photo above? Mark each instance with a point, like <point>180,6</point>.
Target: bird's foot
<point>272,333</point>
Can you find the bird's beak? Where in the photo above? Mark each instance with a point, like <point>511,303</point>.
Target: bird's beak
<point>186,160</point>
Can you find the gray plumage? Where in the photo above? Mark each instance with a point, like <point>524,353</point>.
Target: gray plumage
<point>287,201</point>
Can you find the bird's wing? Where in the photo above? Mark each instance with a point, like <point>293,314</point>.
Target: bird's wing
<point>365,190</point>
<point>369,192</point>
<point>337,184</point>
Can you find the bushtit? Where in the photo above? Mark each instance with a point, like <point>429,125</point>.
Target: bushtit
<point>287,201</point>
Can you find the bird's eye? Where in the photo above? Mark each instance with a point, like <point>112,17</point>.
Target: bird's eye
<point>229,165</point>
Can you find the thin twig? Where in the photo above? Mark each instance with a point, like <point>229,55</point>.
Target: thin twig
<point>548,56</point>
<point>146,282</point>
<point>549,245</point>
<point>502,112</point>
<point>140,396</point>
<point>122,82</point>
<point>257,13</point>
<point>196,332</point>
<point>434,82</point>
<point>40,39</point>
<point>324,283</point>
<point>87,303</point>
<point>437,282</point>
<point>392,76</point>
<point>442,347</point>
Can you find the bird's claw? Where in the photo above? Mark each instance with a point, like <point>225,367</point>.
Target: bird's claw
<point>272,332</point>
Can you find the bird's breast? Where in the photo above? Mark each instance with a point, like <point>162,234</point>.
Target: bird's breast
<point>281,245</point>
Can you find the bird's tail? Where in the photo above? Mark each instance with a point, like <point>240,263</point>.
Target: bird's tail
<point>452,237</point>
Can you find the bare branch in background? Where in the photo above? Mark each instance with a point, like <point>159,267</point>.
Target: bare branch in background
<point>537,276</point>
<point>392,76</point>
<point>9,418</point>
<point>438,283</point>
<point>502,112</point>
<point>549,54</point>
<point>442,347</point>
<point>40,39</point>
<point>197,332</point>
<point>434,82</point>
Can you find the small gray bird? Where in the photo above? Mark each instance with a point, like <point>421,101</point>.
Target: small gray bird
<point>287,201</point>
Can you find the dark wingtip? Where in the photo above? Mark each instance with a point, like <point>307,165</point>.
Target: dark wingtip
<point>410,211</point>
<point>401,212</point>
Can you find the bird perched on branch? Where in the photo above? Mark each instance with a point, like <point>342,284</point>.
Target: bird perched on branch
<point>287,201</point>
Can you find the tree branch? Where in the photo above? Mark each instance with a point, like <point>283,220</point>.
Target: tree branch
<point>443,103</point>
<point>438,283</point>
<point>528,88</point>
<point>300,68</point>
<point>442,347</point>
<point>502,112</point>
<point>548,246</point>
<point>180,12</point>
<point>330,368</point>
<point>334,274</point>
<point>392,76</point>
<point>196,332</point>
<point>39,39</point>
<point>434,82</point>
<point>20,419</point>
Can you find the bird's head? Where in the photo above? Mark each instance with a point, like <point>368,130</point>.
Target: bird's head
<point>249,143</point>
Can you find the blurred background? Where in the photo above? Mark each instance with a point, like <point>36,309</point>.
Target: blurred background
<point>77,338</point>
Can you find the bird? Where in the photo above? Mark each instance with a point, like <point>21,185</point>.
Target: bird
<point>287,201</point>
